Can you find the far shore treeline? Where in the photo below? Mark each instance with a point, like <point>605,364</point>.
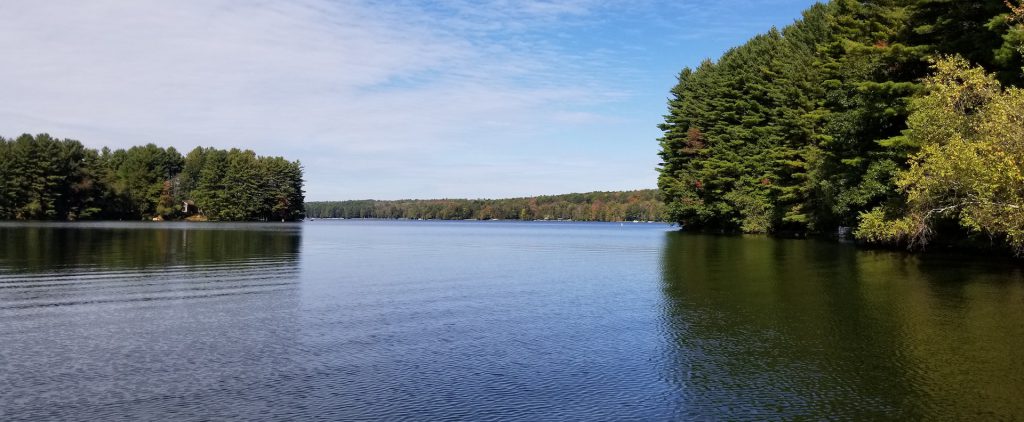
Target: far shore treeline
<point>45,178</point>
<point>642,205</point>
<point>899,121</point>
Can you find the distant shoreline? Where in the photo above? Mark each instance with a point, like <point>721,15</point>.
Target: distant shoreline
<point>615,206</point>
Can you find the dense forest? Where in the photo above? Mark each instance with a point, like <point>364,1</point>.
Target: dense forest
<point>642,205</point>
<point>44,178</point>
<point>897,121</point>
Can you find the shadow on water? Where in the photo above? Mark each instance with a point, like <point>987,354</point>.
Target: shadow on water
<point>43,265</point>
<point>47,247</point>
<point>801,328</point>
<point>128,321</point>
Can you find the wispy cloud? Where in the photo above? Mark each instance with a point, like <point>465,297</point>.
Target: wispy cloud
<point>377,98</point>
<point>211,68</point>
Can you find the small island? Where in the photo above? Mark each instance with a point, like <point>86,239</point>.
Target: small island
<point>45,178</point>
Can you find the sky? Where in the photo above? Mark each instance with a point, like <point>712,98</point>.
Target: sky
<point>377,99</point>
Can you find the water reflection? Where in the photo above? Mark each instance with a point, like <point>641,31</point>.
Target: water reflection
<point>46,247</point>
<point>131,321</point>
<point>812,329</point>
<point>54,265</point>
<point>530,321</point>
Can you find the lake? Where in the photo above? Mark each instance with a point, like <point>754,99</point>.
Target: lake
<point>429,320</point>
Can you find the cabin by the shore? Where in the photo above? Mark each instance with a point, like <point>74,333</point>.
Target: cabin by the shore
<point>189,208</point>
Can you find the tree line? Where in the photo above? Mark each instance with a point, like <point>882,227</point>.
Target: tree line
<point>897,120</point>
<point>642,205</point>
<point>45,178</point>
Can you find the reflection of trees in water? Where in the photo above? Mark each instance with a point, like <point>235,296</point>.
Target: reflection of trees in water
<point>54,247</point>
<point>814,328</point>
<point>143,318</point>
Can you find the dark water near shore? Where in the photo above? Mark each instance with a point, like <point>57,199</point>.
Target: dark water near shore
<point>349,320</point>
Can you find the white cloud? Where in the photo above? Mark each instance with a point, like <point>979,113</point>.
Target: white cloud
<point>211,67</point>
<point>370,95</point>
<point>214,70</point>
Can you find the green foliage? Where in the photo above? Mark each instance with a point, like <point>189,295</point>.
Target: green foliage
<point>643,205</point>
<point>970,168</point>
<point>876,227</point>
<point>239,185</point>
<point>140,174</point>
<point>1015,34</point>
<point>43,178</point>
<point>805,129</point>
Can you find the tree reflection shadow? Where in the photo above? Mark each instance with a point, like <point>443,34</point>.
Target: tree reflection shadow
<point>805,328</point>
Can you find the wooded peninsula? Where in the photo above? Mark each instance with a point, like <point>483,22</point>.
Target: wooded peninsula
<point>44,178</point>
<point>900,122</point>
<point>640,205</point>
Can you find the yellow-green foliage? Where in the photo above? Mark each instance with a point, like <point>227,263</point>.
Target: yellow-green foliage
<point>875,227</point>
<point>970,166</point>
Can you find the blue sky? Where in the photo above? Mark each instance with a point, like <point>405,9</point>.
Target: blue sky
<point>378,99</point>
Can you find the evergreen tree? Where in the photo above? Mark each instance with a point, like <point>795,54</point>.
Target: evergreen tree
<point>803,129</point>
<point>44,178</point>
<point>970,169</point>
<point>643,205</point>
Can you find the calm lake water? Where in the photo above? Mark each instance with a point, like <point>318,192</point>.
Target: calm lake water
<point>350,320</point>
